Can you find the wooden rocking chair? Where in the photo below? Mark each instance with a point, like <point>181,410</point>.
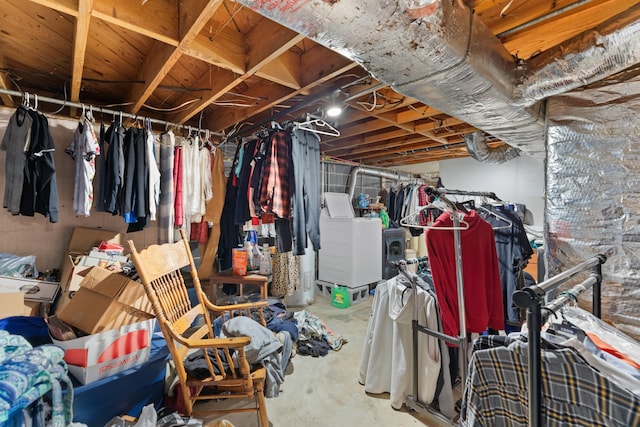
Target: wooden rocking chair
<point>229,375</point>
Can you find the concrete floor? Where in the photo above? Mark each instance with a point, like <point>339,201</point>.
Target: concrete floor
<point>325,391</point>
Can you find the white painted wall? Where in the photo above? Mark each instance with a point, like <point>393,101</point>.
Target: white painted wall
<point>520,180</point>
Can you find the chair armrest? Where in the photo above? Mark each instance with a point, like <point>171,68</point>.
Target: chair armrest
<point>243,306</point>
<point>232,342</point>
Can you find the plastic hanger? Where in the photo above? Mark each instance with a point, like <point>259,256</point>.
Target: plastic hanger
<point>325,128</point>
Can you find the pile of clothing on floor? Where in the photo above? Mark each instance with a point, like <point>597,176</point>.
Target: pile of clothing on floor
<point>287,333</point>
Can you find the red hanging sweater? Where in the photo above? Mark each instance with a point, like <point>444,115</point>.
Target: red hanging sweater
<point>482,291</point>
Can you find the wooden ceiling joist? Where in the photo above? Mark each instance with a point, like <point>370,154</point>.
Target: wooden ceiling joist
<point>163,57</point>
<point>80,36</point>
<point>6,99</point>
<point>198,60</point>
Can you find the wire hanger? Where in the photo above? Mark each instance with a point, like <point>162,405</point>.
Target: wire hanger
<point>508,224</point>
<point>325,128</point>
<point>410,220</point>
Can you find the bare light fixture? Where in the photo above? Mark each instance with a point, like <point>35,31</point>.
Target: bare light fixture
<point>334,110</point>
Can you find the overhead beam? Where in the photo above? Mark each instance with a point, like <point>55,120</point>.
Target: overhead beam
<point>417,113</point>
<point>163,57</point>
<point>156,19</point>
<point>80,35</point>
<point>226,50</point>
<point>318,66</point>
<point>69,7</point>
<point>409,127</point>
<point>264,43</point>
<point>6,99</point>
<point>387,148</point>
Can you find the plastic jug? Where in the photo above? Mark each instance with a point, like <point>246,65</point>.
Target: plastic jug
<point>340,297</point>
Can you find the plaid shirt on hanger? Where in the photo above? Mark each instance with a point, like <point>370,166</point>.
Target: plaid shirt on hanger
<point>573,393</point>
<point>275,194</point>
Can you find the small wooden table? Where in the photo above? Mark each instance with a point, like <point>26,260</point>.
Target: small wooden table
<point>225,277</point>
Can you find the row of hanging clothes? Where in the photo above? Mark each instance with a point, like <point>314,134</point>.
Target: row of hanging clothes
<point>30,172</point>
<point>275,179</point>
<point>403,199</point>
<point>463,240</point>
<point>140,176</point>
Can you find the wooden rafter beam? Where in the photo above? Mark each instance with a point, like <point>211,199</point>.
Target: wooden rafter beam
<point>163,57</point>
<point>317,68</point>
<point>6,99</point>
<point>427,156</point>
<point>542,36</point>
<point>70,7</point>
<point>416,113</point>
<point>264,44</point>
<point>387,148</point>
<point>80,35</point>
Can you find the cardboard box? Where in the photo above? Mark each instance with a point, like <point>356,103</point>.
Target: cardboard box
<point>106,353</point>
<point>32,309</point>
<point>83,240</point>
<point>106,300</point>
<point>32,289</point>
<point>11,304</point>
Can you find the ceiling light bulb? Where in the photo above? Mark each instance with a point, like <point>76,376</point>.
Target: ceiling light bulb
<point>334,111</point>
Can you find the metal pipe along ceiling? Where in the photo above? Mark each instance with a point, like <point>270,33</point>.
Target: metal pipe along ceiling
<point>353,176</point>
<point>440,53</point>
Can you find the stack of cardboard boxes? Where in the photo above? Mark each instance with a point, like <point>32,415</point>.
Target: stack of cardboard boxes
<point>111,314</point>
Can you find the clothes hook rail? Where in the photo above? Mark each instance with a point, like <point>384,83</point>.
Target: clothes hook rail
<point>26,95</point>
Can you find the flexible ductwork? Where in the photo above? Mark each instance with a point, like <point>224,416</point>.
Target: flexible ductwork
<point>440,53</point>
<point>479,150</point>
<point>353,176</point>
<point>593,193</point>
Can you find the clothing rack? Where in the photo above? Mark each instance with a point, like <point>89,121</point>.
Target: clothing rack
<point>461,340</point>
<point>412,401</point>
<point>531,298</point>
<point>63,102</point>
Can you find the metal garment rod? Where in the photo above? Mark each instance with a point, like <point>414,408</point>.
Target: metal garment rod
<point>457,245</point>
<point>413,401</point>
<point>491,195</point>
<point>100,109</point>
<point>532,298</point>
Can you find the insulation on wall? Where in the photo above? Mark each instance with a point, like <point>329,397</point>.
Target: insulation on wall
<point>593,192</point>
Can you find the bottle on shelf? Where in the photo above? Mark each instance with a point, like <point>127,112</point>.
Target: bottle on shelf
<point>265,260</point>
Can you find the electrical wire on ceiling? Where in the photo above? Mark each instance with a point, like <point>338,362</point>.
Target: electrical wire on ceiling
<point>231,16</point>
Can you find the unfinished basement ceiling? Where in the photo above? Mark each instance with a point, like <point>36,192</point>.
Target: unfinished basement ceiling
<point>223,66</point>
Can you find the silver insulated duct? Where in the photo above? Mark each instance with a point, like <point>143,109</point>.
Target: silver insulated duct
<point>440,53</point>
<point>593,192</point>
<point>479,150</point>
